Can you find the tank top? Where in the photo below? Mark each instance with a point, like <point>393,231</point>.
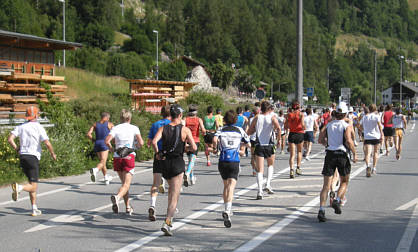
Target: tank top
<point>326,117</point>
<point>398,121</point>
<point>264,130</point>
<point>240,121</point>
<point>295,122</point>
<point>193,124</point>
<point>387,119</point>
<point>209,123</point>
<point>335,135</point>
<point>102,130</point>
<point>173,146</point>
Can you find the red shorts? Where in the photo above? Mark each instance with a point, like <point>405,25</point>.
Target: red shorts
<point>124,164</point>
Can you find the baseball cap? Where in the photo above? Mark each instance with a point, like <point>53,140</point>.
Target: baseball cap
<point>176,109</point>
<point>342,108</point>
<point>351,109</point>
<point>31,113</point>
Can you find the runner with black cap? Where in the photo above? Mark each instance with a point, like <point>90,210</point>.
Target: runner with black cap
<point>174,137</point>
<point>336,136</point>
<point>31,134</point>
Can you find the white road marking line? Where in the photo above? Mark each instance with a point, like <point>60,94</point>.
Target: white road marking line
<point>408,205</point>
<point>413,127</point>
<point>276,228</point>
<point>295,180</point>
<point>299,186</point>
<point>143,241</point>
<point>410,231</point>
<point>71,216</point>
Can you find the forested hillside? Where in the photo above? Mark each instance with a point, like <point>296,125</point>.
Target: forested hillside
<point>257,36</point>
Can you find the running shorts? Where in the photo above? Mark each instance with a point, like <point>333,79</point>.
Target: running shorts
<point>229,170</point>
<point>30,167</point>
<point>209,137</point>
<point>172,167</point>
<point>296,138</point>
<point>372,141</point>
<point>308,136</point>
<point>264,151</point>
<point>100,146</point>
<point>336,160</point>
<point>197,150</point>
<point>157,166</point>
<point>124,164</point>
<point>388,131</point>
<point>399,132</point>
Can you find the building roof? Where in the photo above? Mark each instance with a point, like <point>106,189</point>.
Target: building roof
<point>411,85</point>
<point>159,82</point>
<point>31,41</point>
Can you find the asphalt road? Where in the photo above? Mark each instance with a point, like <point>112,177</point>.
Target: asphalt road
<point>381,213</point>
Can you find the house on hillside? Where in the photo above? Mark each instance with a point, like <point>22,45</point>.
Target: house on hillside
<point>409,93</point>
<point>197,74</point>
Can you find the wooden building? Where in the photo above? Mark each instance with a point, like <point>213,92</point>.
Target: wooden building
<point>27,71</point>
<point>151,95</point>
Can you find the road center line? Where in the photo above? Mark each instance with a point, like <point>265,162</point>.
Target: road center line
<point>410,231</point>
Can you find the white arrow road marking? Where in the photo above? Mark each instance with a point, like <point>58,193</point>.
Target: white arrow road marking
<point>408,204</point>
<point>410,231</point>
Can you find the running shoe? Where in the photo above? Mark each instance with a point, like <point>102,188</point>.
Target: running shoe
<point>36,212</point>
<point>193,180</point>
<point>331,197</point>
<point>166,229</point>
<point>368,172</point>
<point>298,171</point>
<point>337,206</point>
<point>107,179</point>
<point>115,204</point>
<point>186,180</point>
<point>151,214</point>
<point>355,143</point>
<point>292,173</point>
<point>343,201</point>
<point>321,216</point>
<point>269,190</point>
<point>259,196</point>
<point>208,163</point>
<point>374,171</point>
<point>93,174</point>
<point>381,151</point>
<point>308,158</point>
<point>282,152</point>
<point>227,219</point>
<point>15,193</point>
<point>129,210</point>
<point>304,153</point>
<point>161,188</point>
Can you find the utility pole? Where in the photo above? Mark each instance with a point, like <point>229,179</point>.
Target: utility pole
<point>375,76</point>
<point>299,87</point>
<point>123,7</point>
<point>400,83</point>
<point>156,72</point>
<point>63,28</point>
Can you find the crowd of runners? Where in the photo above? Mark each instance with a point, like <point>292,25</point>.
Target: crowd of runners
<point>253,130</point>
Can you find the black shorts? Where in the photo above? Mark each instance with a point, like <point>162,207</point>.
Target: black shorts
<point>172,167</point>
<point>295,138</point>
<point>253,143</point>
<point>388,131</point>
<point>197,150</point>
<point>372,141</point>
<point>308,136</point>
<point>335,160</point>
<point>209,137</point>
<point>228,170</point>
<point>157,166</point>
<point>30,167</point>
<point>264,151</point>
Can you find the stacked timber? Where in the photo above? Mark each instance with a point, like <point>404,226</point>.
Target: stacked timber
<point>20,90</point>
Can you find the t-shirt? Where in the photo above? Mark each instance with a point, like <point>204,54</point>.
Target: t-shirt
<point>230,138</point>
<point>124,135</point>
<point>220,120</point>
<point>309,122</point>
<point>370,124</point>
<point>31,135</point>
<point>247,114</point>
<point>398,121</point>
<point>155,127</point>
<point>209,123</point>
<point>240,121</point>
<point>281,120</point>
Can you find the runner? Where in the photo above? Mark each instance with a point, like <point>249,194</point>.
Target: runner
<point>388,130</point>
<point>210,125</point>
<point>295,125</point>
<point>195,124</point>
<point>173,136</point>
<point>317,119</point>
<point>311,127</point>
<point>336,136</point>
<point>124,157</point>
<point>256,111</point>
<point>281,119</point>
<point>326,117</point>
<point>380,112</point>
<point>31,134</point>
<point>247,112</point>
<point>242,121</point>
<point>399,123</point>
<point>219,118</point>
<point>101,129</point>
<point>230,139</point>
<point>158,182</point>
<point>373,136</point>
<point>353,118</point>
<point>264,126</point>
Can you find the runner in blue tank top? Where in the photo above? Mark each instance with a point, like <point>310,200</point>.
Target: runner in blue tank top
<point>242,121</point>
<point>101,129</point>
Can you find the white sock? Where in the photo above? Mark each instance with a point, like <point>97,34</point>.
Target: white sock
<point>228,207</point>
<point>163,182</point>
<point>270,171</point>
<point>260,182</point>
<point>153,200</point>
<point>19,188</point>
<point>34,207</point>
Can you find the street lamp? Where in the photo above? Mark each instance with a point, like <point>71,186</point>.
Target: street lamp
<point>156,72</point>
<point>63,26</point>
<point>400,83</point>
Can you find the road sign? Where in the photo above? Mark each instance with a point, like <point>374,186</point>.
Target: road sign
<point>346,94</point>
<point>260,94</point>
<point>310,91</point>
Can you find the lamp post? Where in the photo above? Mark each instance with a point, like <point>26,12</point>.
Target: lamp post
<point>63,27</point>
<point>156,72</point>
<point>400,83</point>
<point>299,76</point>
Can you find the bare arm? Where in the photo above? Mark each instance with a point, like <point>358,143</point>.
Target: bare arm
<point>348,133</point>
<point>90,132</point>
<point>11,141</point>
<point>190,140</point>
<point>215,144</point>
<point>322,139</point>
<point>276,126</point>
<point>139,140</point>
<point>404,122</point>
<point>381,130</point>
<point>246,123</point>
<point>302,120</point>
<point>108,142</point>
<point>50,149</point>
<point>251,129</point>
<point>202,126</point>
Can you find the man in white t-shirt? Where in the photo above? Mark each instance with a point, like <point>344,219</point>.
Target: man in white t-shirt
<point>31,134</point>
<point>125,135</point>
<point>373,136</point>
<point>308,138</point>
